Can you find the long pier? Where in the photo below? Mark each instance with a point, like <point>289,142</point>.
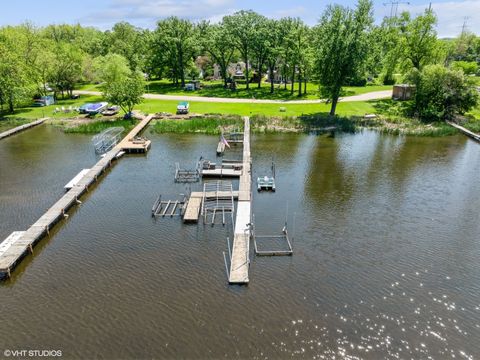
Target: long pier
<point>15,249</point>
<point>467,132</point>
<point>21,128</point>
<point>241,242</point>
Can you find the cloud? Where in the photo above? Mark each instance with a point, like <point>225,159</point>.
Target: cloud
<point>156,9</point>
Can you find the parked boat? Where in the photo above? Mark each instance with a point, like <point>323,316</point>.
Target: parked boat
<point>111,110</point>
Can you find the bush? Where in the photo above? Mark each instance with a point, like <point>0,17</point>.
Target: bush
<point>442,93</point>
<point>468,67</point>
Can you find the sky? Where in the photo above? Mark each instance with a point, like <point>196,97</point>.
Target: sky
<point>144,13</point>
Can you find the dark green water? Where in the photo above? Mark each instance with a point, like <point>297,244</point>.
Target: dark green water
<point>386,239</point>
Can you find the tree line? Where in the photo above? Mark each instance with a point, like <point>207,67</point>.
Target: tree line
<point>344,48</point>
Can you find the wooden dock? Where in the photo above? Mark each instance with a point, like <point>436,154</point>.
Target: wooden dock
<point>18,248</point>
<point>467,132</point>
<point>21,128</point>
<point>221,172</point>
<point>241,242</point>
<point>194,204</point>
<point>192,211</point>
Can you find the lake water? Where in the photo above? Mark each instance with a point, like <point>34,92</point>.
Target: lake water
<point>385,265</point>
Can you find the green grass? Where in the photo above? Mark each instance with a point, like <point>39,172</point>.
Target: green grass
<point>100,125</point>
<point>343,108</point>
<point>7,124</point>
<point>30,112</point>
<point>215,89</point>
<point>208,125</point>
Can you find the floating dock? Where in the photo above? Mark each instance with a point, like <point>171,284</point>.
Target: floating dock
<point>240,260</point>
<point>467,132</point>
<point>21,128</point>
<point>195,202</point>
<point>192,212</point>
<point>22,243</point>
<point>76,179</point>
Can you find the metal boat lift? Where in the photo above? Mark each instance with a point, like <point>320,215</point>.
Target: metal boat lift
<point>187,175</point>
<point>169,208</point>
<point>217,198</point>
<point>107,139</point>
<point>283,237</point>
<point>267,182</point>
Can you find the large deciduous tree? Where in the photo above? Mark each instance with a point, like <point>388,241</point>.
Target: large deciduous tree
<point>341,46</point>
<point>242,26</point>
<point>176,44</point>
<point>126,91</point>
<point>217,42</point>
<point>418,39</point>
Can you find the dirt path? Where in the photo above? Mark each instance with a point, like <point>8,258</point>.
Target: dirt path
<point>362,97</point>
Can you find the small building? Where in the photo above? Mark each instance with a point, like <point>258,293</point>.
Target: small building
<point>403,92</point>
<point>193,85</point>
<point>44,101</point>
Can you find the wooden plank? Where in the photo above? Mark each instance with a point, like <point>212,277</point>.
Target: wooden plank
<point>21,128</point>
<point>241,242</point>
<point>55,213</point>
<point>221,172</point>
<point>193,209</point>
<point>210,194</point>
<point>76,179</point>
<point>465,131</point>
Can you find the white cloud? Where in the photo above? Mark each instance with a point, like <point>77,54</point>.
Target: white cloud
<point>155,9</point>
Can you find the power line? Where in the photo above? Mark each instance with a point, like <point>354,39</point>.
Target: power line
<point>394,6</point>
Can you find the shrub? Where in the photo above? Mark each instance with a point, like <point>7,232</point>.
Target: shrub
<point>442,93</point>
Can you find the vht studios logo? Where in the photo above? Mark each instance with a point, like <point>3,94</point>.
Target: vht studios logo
<point>32,353</point>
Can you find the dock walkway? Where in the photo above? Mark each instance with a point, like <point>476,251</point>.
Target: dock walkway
<point>241,242</point>
<point>467,132</point>
<point>17,249</point>
<point>21,128</point>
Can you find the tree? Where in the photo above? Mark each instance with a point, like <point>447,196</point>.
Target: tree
<point>111,68</point>
<point>419,39</point>
<point>126,91</point>
<point>66,71</point>
<point>341,40</point>
<point>242,26</point>
<point>16,85</point>
<point>442,93</point>
<point>217,42</point>
<point>128,41</point>
<point>261,45</point>
<point>176,44</point>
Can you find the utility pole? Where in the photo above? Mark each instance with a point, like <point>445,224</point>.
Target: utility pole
<point>394,6</point>
<point>465,26</point>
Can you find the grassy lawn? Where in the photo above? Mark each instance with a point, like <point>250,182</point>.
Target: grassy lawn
<point>154,106</point>
<point>31,113</point>
<point>215,89</point>
<point>344,108</point>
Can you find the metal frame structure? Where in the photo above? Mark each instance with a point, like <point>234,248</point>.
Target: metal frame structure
<point>186,175</point>
<point>217,197</point>
<point>107,139</point>
<point>273,252</point>
<point>169,208</point>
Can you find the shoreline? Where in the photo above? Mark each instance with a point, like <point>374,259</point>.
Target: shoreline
<point>213,123</point>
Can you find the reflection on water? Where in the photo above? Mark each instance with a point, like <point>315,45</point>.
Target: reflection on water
<point>385,265</point>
